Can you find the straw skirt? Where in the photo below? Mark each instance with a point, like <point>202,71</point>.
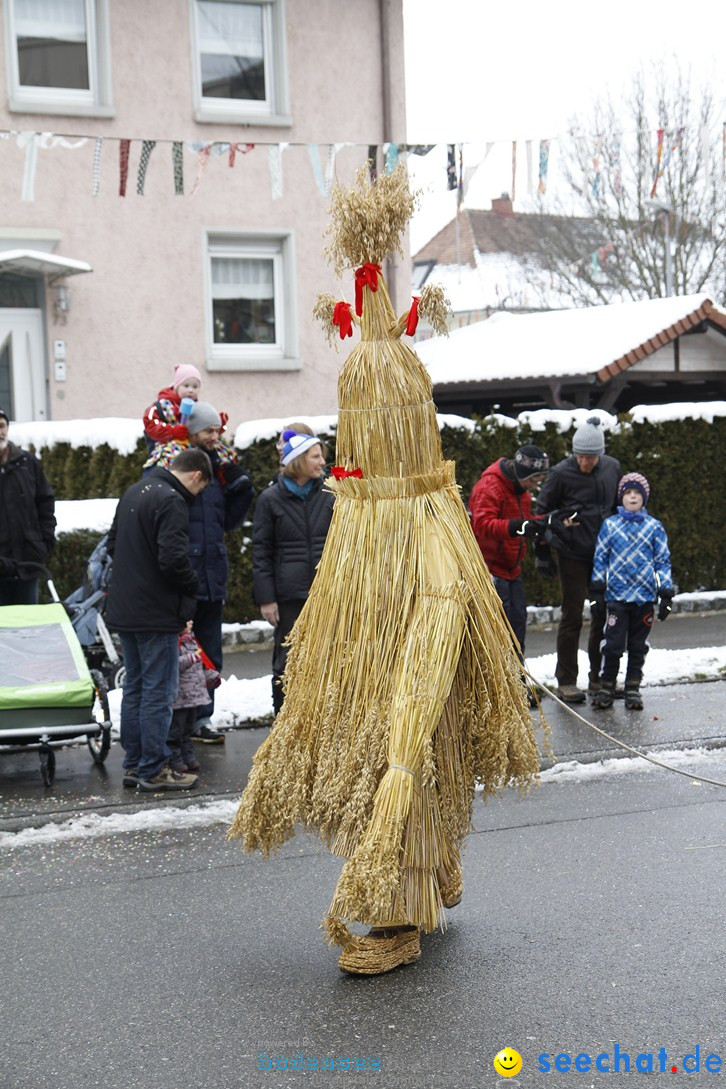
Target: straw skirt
<point>403,691</point>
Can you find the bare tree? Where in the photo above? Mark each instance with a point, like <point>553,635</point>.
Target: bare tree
<point>633,205</point>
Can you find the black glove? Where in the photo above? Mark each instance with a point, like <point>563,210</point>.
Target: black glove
<point>665,606</point>
<point>8,568</point>
<point>526,527</point>
<point>543,563</point>
<point>235,477</point>
<point>597,597</point>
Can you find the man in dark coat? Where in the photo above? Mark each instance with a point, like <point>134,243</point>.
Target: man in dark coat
<point>583,488</point>
<point>27,521</point>
<point>218,510</point>
<point>151,598</point>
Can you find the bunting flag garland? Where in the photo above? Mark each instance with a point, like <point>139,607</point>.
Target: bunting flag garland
<point>203,152</point>
<point>314,156</point>
<point>373,162</point>
<point>596,166</point>
<point>661,133</point>
<point>663,160</point>
<point>177,159</point>
<point>147,147</point>
<point>124,149</point>
<point>29,140</point>
<point>460,178</point>
<point>390,157</point>
<point>614,164</point>
<point>604,154</point>
<point>97,149</point>
<point>451,166</point>
<point>274,160</point>
<point>544,162</point>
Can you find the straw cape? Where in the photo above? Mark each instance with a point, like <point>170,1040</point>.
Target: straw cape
<point>402,688</point>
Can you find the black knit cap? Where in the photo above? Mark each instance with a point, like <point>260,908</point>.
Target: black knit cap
<point>4,415</point>
<point>530,461</point>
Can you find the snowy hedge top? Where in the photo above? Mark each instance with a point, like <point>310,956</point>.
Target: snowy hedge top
<point>122,434</point>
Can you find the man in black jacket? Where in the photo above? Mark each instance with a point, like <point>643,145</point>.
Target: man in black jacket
<point>584,488</point>
<point>27,521</point>
<point>151,598</point>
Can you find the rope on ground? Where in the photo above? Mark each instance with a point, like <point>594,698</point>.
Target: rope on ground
<point>621,744</point>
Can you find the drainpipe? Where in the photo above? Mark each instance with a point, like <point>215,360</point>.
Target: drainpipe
<point>392,265</point>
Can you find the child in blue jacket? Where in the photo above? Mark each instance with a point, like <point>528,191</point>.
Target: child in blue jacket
<point>631,571</point>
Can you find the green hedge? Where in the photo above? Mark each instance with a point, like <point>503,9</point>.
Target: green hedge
<point>682,460</point>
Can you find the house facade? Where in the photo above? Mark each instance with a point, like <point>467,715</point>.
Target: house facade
<point>164,193</point>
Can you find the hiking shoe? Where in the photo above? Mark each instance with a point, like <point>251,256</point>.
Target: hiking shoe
<point>633,699</point>
<point>570,693</point>
<point>168,779</point>
<point>605,696</point>
<point>208,736</point>
<point>593,685</point>
<point>131,777</point>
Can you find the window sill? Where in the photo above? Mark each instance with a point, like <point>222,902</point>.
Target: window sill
<point>59,109</point>
<point>281,363</point>
<point>259,121</point>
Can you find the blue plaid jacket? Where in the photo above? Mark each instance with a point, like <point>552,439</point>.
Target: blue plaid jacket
<point>632,557</point>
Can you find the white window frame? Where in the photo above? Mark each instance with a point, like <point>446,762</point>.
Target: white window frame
<point>94,102</point>
<point>280,246</point>
<point>275,110</point>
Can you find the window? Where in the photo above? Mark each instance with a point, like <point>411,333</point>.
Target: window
<point>59,56</point>
<point>239,61</point>
<point>251,322</point>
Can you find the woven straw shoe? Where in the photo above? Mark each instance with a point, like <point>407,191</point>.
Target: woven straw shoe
<point>373,954</point>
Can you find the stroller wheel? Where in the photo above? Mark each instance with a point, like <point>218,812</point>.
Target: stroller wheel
<point>99,744</point>
<point>47,765</point>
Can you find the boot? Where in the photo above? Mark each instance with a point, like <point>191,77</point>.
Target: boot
<point>605,695</point>
<point>633,698</point>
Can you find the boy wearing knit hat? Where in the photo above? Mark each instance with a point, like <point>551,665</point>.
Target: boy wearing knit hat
<point>500,506</point>
<point>584,487</point>
<point>631,570</point>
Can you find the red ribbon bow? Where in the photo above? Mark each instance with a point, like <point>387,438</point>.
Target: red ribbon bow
<point>412,316</point>
<point>366,275</point>
<point>341,473</point>
<point>342,317</point>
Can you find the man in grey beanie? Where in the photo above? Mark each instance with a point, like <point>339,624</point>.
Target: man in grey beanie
<point>584,489</point>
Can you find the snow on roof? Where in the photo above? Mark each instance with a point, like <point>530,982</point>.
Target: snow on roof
<point>554,344</point>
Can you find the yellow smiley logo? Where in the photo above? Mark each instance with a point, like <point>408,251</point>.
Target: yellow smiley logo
<point>507,1062</point>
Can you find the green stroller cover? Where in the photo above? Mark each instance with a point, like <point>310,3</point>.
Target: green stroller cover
<point>41,661</point>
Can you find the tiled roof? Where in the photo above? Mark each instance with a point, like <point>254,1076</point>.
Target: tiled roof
<point>494,232</point>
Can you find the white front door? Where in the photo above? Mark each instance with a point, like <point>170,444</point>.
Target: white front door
<point>22,363</point>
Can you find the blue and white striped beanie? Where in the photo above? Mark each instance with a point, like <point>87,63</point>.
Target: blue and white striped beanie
<point>295,445</point>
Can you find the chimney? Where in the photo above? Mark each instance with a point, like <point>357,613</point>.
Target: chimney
<point>503,205</point>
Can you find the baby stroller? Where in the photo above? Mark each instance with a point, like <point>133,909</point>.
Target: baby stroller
<point>85,606</point>
<point>48,695</point>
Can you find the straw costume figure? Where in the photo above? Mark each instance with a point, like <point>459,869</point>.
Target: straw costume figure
<point>402,687</point>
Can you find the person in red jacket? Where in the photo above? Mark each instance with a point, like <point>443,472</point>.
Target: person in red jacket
<point>501,517</point>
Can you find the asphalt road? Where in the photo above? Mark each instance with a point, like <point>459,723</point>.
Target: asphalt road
<point>593,915</point>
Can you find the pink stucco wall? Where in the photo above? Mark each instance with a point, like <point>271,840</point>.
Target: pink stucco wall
<point>142,309</point>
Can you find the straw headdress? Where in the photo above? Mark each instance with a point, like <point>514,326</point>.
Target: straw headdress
<point>402,689</point>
